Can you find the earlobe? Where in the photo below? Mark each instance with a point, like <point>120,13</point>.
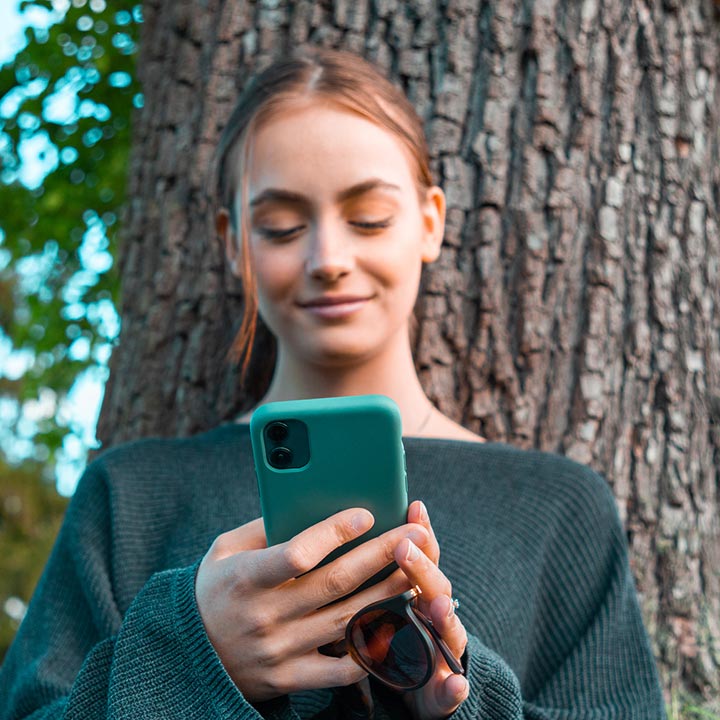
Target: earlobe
<point>434,224</point>
<point>223,226</point>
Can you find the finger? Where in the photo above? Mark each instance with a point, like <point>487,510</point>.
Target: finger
<point>329,623</point>
<point>302,553</point>
<point>250,536</point>
<point>422,571</point>
<point>307,672</point>
<point>418,513</point>
<point>345,574</point>
<point>452,693</point>
<point>448,625</point>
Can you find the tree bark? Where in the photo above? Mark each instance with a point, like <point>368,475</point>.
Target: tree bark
<point>575,305</point>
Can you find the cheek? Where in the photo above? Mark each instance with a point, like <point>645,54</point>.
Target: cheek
<point>275,272</point>
<point>400,262</point>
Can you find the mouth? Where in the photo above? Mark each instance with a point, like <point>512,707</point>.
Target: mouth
<point>338,306</point>
<point>330,300</point>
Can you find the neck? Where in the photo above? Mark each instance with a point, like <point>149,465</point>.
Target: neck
<point>390,373</point>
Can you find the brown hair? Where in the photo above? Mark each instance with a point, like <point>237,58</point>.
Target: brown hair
<point>335,76</point>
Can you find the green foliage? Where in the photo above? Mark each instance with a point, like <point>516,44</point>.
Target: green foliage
<point>73,87</point>
<point>67,99</point>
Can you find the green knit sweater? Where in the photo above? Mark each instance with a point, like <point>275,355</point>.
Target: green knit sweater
<point>531,542</point>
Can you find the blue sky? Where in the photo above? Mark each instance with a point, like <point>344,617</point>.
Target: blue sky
<point>13,24</point>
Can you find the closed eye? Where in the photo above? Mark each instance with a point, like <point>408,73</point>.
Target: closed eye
<point>283,234</point>
<point>371,225</point>
<point>280,234</point>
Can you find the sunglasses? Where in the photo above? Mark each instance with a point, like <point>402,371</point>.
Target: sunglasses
<point>393,641</point>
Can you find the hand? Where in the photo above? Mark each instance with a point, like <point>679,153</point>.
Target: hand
<point>445,691</point>
<point>264,608</point>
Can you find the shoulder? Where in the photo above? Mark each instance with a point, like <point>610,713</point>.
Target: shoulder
<point>534,483</point>
<point>156,462</point>
<point>556,477</point>
<point>158,449</point>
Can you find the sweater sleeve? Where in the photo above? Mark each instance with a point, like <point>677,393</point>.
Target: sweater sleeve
<point>609,673</point>
<point>76,656</point>
<point>590,608</point>
<point>589,657</point>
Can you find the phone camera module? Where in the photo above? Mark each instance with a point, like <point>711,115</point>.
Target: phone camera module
<point>277,431</point>
<point>281,457</point>
<point>286,443</point>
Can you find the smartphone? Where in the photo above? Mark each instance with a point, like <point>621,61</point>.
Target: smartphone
<point>316,457</point>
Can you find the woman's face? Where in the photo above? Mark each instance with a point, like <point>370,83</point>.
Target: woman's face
<point>338,234</point>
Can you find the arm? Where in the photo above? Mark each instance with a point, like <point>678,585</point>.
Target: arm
<point>76,656</point>
<point>591,657</point>
<point>609,673</point>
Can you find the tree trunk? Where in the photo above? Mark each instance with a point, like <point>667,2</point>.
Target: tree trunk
<point>575,304</point>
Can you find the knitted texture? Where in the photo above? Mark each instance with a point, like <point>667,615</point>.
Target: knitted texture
<point>531,541</point>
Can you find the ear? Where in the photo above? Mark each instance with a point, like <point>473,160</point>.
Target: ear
<point>433,212</point>
<point>224,228</point>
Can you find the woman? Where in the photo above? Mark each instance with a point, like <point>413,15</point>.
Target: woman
<point>328,214</point>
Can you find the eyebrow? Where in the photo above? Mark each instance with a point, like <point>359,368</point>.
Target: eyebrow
<point>276,194</point>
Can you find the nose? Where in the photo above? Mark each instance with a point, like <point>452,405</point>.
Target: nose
<point>330,254</point>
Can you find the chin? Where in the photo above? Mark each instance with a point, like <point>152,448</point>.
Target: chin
<point>338,357</point>
<point>337,352</point>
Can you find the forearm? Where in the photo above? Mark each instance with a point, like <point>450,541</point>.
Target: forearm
<point>159,664</point>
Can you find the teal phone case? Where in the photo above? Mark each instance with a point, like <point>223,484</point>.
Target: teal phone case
<point>356,459</point>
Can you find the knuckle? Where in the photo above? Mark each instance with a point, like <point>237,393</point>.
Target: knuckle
<point>344,531</point>
<point>219,547</point>
<point>458,636</point>
<point>277,682</point>
<point>338,581</point>
<point>463,634</point>
<point>463,641</point>
<point>233,579</point>
<point>341,621</point>
<point>297,557</point>
<point>268,652</point>
<point>259,621</point>
<point>461,647</point>
<point>387,549</point>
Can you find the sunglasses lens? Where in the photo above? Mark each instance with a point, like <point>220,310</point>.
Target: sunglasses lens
<point>391,648</point>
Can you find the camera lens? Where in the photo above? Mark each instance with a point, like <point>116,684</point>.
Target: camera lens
<point>277,431</point>
<point>281,457</point>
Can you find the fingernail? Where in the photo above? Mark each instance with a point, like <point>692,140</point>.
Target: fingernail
<point>361,521</point>
<point>413,553</point>
<point>451,609</point>
<point>423,511</point>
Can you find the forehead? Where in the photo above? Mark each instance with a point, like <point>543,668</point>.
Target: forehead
<point>317,150</point>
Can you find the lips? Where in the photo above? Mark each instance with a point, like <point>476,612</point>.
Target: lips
<point>334,308</point>
<point>329,300</point>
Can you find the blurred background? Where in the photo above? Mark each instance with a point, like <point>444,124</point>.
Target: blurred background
<point>636,397</point>
<point>67,91</point>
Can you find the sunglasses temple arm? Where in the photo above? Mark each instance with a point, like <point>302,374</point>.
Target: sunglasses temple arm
<point>453,663</point>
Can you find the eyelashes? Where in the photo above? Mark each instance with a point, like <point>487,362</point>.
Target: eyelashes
<point>273,234</point>
<point>287,233</point>
<point>372,225</point>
